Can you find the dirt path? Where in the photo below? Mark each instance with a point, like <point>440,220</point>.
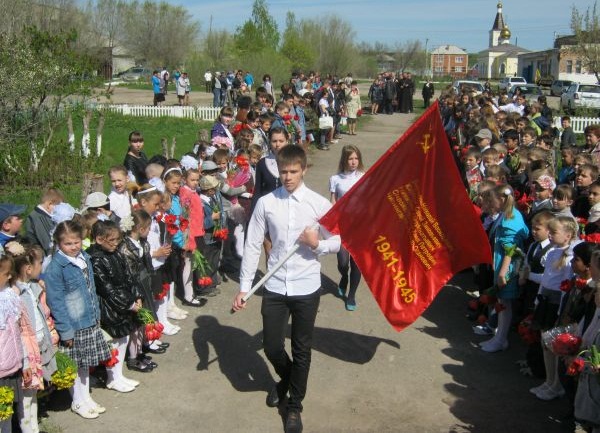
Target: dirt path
<point>365,377</point>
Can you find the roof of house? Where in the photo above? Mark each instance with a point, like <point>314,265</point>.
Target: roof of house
<point>506,48</point>
<point>448,49</point>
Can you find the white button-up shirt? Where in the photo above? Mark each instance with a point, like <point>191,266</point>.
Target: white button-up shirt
<point>284,216</point>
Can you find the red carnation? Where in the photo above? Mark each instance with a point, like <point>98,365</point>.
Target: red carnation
<point>576,366</point>
<point>170,219</point>
<point>172,229</point>
<point>593,238</point>
<point>183,224</point>
<point>566,286</point>
<point>580,283</point>
<point>296,117</point>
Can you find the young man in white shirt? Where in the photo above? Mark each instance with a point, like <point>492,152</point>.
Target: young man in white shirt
<point>290,215</point>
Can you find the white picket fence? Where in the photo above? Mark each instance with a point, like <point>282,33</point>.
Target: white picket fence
<point>192,112</point>
<point>578,123</point>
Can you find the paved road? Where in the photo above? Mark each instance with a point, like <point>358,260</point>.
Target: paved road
<point>365,377</point>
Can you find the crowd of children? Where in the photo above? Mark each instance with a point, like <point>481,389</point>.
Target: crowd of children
<point>78,282</point>
<point>538,193</point>
<point>88,279</point>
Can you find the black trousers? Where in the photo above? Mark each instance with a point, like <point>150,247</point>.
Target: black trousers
<point>276,310</point>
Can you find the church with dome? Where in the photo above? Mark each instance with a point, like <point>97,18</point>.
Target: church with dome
<point>501,58</point>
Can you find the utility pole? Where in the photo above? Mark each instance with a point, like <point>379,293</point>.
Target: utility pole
<point>426,57</point>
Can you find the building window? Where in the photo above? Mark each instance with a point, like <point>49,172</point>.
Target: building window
<point>458,69</point>
<point>459,59</point>
<point>503,68</point>
<point>439,69</point>
<point>569,66</point>
<point>578,66</point>
<point>439,60</point>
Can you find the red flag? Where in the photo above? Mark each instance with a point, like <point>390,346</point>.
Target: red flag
<point>408,222</point>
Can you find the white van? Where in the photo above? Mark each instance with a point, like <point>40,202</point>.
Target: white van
<point>508,82</point>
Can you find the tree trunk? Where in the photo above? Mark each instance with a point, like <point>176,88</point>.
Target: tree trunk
<point>99,134</point>
<point>165,147</point>
<point>92,182</point>
<point>173,144</point>
<point>71,138</point>
<point>85,140</point>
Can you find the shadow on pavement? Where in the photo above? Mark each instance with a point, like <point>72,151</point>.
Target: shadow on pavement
<point>487,392</point>
<point>236,353</point>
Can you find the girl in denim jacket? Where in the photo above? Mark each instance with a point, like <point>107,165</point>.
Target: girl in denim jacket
<point>71,296</point>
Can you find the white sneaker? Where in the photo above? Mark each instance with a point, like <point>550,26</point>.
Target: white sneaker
<point>494,346</point>
<point>95,406</point>
<point>172,315</point>
<point>536,389</point>
<point>171,330</point>
<point>131,382</point>
<point>549,394</point>
<point>84,411</point>
<point>120,386</point>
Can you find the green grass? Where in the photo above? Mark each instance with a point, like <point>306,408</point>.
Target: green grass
<point>140,85</point>
<point>66,172</point>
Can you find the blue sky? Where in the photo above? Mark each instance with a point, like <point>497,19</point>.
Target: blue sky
<point>465,23</point>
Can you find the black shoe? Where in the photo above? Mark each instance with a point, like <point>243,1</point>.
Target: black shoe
<point>195,302</point>
<point>158,350</point>
<point>293,423</point>
<point>275,396</point>
<point>323,147</point>
<point>147,360</point>
<point>164,345</point>
<point>137,365</point>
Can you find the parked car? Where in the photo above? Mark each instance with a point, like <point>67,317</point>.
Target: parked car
<point>580,96</point>
<point>531,91</point>
<point>559,86</point>
<point>461,86</point>
<point>508,82</point>
<point>137,74</point>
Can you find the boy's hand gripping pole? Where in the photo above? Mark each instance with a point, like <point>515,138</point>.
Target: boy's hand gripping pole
<point>269,274</point>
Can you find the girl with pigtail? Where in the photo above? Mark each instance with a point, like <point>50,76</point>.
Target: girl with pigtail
<point>563,234</point>
<point>508,234</point>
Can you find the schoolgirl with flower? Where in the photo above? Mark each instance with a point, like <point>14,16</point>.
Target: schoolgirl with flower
<point>119,297</point>
<point>71,296</point>
<point>194,210</point>
<point>136,251</point>
<point>28,266</point>
<point>508,234</point>
<point>19,351</point>
<point>149,199</point>
<point>563,233</point>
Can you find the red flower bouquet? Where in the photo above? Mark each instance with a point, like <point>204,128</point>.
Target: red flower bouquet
<point>113,360</point>
<point>566,344</point>
<point>205,281</point>
<point>152,329</point>
<point>526,332</point>
<point>576,367</point>
<point>165,291</point>
<point>221,234</point>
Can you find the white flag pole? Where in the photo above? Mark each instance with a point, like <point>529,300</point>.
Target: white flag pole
<point>269,274</point>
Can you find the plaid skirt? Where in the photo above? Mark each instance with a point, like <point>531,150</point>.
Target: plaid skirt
<point>89,347</point>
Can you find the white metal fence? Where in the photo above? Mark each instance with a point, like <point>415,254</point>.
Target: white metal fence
<point>578,123</point>
<point>192,112</point>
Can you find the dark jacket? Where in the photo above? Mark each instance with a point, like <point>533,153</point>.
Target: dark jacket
<point>37,229</point>
<point>117,291</point>
<point>137,166</point>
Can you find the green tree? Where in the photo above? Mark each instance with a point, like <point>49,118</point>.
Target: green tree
<point>41,73</point>
<point>259,32</point>
<point>296,50</point>
<point>586,28</point>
